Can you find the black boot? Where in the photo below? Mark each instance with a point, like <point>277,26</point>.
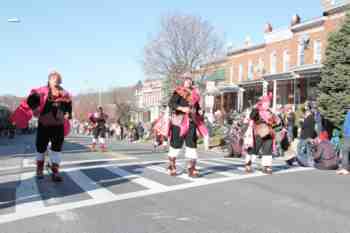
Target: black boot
<point>55,173</point>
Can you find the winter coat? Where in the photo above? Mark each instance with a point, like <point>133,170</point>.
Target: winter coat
<point>325,156</point>
<point>308,128</point>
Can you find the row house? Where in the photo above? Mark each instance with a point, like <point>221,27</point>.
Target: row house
<point>218,92</point>
<point>148,95</point>
<point>287,63</point>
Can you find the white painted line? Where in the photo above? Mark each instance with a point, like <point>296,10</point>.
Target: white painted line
<point>150,184</point>
<point>9,168</point>
<point>109,165</point>
<point>91,202</point>
<point>239,164</point>
<point>95,161</point>
<point>182,175</point>
<point>294,169</point>
<point>77,162</point>
<point>63,152</point>
<point>113,164</point>
<point>229,162</point>
<point>90,187</point>
<point>28,197</point>
<point>255,166</point>
<point>223,173</point>
<point>27,162</point>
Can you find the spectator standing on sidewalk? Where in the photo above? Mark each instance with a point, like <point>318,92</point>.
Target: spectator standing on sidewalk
<point>140,130</point>
<point>304,154</point>
<point>346,146</point>
<point>318,122</point>
<point>290,123</point>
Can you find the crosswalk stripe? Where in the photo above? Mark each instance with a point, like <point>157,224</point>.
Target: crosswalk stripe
<point>223,162</point>
<point>223,173</point>
<point>229,162</point>
<point>255,166</point>
<point>295,169</point>
<point>28,197</point>
<point>150,184</point>
<point>9,168</point>
<point>31,163</point>
<point>90,187</point>
<point>28,190</point>
<point>239,164</point>
<point>182,176</point>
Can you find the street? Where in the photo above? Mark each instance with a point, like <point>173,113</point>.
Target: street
<point>127,190</point>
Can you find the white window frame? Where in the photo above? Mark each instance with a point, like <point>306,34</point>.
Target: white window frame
<point>250,69</point>
<point>273,63</point>
<point>261,65</point>
<point>240,73</point>
<point>301,54</point>
<point>317,52</point>
<point>286,60</point>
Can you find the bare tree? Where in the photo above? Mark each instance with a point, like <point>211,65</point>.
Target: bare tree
<point>83,104</point>
<point>183,44</point>
<point>123,100</point>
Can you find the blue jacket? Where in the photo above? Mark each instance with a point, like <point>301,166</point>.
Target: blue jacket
<point>346,125</point>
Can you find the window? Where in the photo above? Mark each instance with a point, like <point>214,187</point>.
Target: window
<point>240,73</point>
<point>273,69</point>
<point>250,70</point>
<point>317,52</point>
<point>231,74</point>
<point>336,2</point>
<point>261,68</point>
<point>286,59</point>
<point>301,54</point>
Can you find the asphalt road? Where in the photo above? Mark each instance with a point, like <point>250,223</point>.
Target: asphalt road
<point>127,190</point>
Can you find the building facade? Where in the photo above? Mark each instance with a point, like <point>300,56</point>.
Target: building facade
<point>148,100</point>
<point>287,63</point>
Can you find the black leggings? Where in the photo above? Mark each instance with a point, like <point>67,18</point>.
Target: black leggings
<point>46,134</point>
<point>190,139</point>
<point>99,132</point>
<point>263,146</point>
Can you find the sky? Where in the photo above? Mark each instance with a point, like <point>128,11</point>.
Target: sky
<point>99,44</point>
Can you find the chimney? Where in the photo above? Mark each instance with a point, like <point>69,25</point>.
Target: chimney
<point>295,20</point>
<point>248,41</point>
<point>268,28</point>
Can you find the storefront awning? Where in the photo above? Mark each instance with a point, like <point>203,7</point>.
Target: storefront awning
<point>307,68</point>
<point>222,89</point>
<point>218,75</point>
<point>212,91</point>
<point>251,82</point>
<point>307,71</point>
<point>281,76</point>
<point>228,88</point>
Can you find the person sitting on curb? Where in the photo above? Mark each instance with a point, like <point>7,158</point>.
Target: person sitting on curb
<point>325,156</point>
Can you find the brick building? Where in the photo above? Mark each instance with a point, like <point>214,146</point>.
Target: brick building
<point>287,63</point>
<point>148,100</point>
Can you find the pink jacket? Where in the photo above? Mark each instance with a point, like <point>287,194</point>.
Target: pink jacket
<point>162,124</point>
<point>198,119</point>
<point>23,114</point>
